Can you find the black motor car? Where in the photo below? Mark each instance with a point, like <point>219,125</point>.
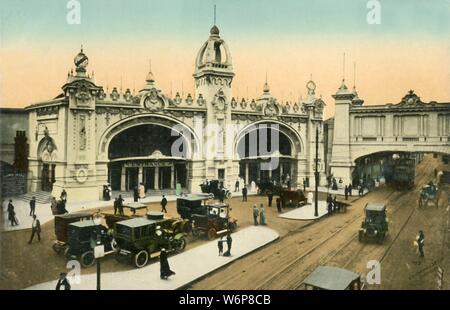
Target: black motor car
<point>375,224</point>
<point>216,188</point>
<point>81,238</point>
<point>191,204</point>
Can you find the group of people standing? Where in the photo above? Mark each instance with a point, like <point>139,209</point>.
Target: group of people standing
<point>332,204</point>
<point>259,213</point>
<point>229,241</point>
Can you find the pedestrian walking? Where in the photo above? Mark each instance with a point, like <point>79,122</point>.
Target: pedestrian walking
<point>255,215</point>
<point>33,206</point>
<point>165,271</point>
<point>329,204</point>
<point>220,246</point>
<point>63,282</point>
<point>12,214</point>
<point>116,207</point>
<point>229,243</point>
<point>421,242</point>
<point>120,204</point>
<point>244,193</point>
<point>236,186</point>
<point>346,192</point>
<point>304,185</point>
<point>135,194</point>
<point>361,190</point>
<point>262,215</point>
<point>334,204</point>
<point>350,189</point>
<point>35,229</point>
<point>163,204</point>
<point>279,205</point>
<point>270,197</point>
<point>63,196</point>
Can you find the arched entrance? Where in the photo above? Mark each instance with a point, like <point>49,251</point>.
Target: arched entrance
<point>47,154</point>
<point>145,153</point>
<point>266,153</point>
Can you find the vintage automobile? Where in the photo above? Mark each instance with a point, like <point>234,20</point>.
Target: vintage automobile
<point>375,224</point>
<point>215,222</point>
<point>191,204</point>
<point>265,186</point>
<point>82,237</point>
<point>332,278</point>
<point>215,187</point>
<point>429,192</point>
<point>292,199</point>
<point>141,238</point>
<point>177,225</point>
<point>61,228</point>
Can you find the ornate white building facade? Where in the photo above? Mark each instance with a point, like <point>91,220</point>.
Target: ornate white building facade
<point>87,137</point>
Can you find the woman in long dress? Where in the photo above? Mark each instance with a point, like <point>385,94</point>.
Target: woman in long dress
<point>164,265</point>
<point>141,191</point>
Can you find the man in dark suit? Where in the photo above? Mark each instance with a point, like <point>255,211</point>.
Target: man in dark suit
<point>35,229</point>
<point>163,204</point>
<point>12,214</point>
<point>33,206</point>
<point>244,193</point>
<point>63,282</point>
<point>270,197</point>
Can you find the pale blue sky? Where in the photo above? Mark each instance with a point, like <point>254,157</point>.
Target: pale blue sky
<point>45,20</point>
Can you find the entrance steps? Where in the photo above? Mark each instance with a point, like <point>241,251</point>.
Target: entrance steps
<point>41,197</point>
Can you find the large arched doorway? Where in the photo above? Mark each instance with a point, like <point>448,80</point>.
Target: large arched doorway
<point>267,153</point>
<point>48,155</point>
<point>145,153</point>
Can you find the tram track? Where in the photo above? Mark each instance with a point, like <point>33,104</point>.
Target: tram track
<point>279,277</point>
<point>332,240</point>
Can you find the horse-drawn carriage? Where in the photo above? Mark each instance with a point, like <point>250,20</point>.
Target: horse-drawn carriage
<point>61,228</point>
<point>266,186</point>
<point>292,199</point>
<point>216,188</point>
<point>429,192</point>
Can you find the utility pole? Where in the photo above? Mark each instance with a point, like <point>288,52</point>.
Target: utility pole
<point>316,175</point>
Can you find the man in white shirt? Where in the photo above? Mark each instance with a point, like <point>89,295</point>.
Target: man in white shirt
<point>35,229</point>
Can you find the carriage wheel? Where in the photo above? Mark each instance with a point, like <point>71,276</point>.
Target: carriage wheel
<point>141,259</point>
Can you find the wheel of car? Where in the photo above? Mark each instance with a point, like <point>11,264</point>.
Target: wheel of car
<point>195,232</point>
<point>186,227</point>
<point>57,248</point>
<point>87,259</point>
<point>360,237</point>
<point>67,254</point>
<point>212,233</point>
<point>141,259</point>
<point>180,245</point>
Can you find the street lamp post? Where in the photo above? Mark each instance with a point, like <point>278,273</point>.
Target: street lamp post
<point>99,250</point>
<point>316,175</point>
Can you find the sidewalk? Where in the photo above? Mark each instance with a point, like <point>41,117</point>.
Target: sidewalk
<point>44,213</point>
<point>324,189</point>
<point>306,212</point>
<point>189,266</point>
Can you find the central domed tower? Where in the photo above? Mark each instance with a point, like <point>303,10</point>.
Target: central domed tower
<point>213,77</point>
<point>214,73</point>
